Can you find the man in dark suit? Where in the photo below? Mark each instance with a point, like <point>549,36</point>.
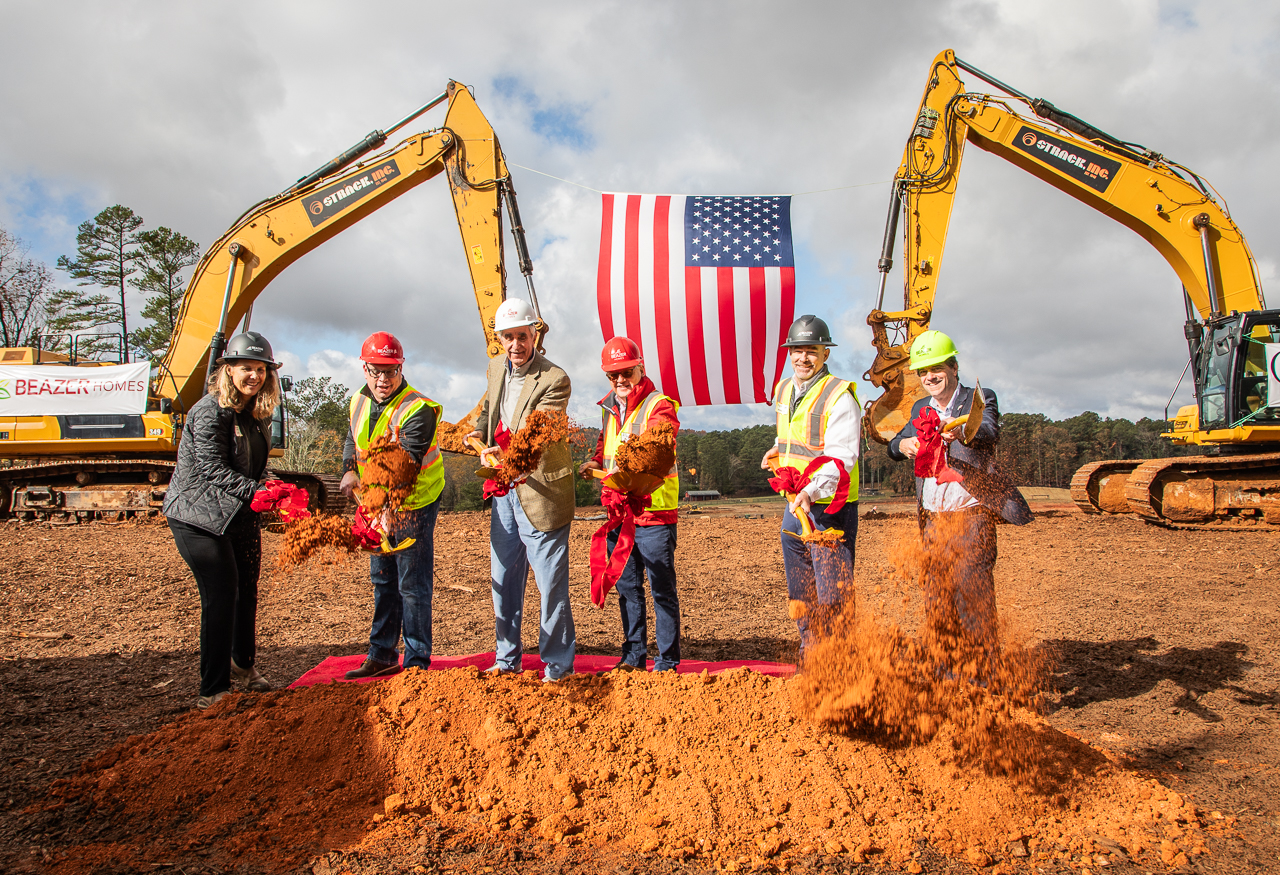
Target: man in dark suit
<point>958,519</point>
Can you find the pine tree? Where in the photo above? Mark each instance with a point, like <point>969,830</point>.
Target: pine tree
<point>106,252</point>
<point>163,255</point>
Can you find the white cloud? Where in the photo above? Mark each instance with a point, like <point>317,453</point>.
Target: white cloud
<point>189,116</point>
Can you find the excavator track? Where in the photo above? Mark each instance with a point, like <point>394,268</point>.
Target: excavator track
<point>1208,492</point>
<point>326,497</point>
<point>1099,487</point>
<point>69,491</point>
<point>82,490</point>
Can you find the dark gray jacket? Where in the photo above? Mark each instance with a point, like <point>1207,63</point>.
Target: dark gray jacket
<point>976,463</point>
<point>212,481</point>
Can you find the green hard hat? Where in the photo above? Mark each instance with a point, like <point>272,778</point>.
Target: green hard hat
<point>929,349</point>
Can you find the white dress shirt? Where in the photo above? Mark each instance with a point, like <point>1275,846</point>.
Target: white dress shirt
<point>942,497</point>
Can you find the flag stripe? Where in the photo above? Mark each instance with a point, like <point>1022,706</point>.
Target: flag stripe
<point>631,276</point>
<point>759,335</point>
<point>697,335</point>
<point>788,315</point>
<point>728,340</point>
<point>681,388</point>
<point>662,295</point>
<point>602,270</point>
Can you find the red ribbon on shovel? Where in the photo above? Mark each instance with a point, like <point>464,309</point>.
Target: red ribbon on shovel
<point>622,508</point>
<point>931,458</point>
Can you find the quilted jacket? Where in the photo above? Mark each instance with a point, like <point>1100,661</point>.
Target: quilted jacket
<point>212,481</point>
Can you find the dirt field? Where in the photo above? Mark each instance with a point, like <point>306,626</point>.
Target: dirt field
<point>1163,702</point>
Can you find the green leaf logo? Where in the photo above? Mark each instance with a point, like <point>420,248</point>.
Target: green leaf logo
<point>4,390</point>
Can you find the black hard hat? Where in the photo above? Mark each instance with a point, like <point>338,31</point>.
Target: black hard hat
<point>809,331</point>
<point>250,346</point>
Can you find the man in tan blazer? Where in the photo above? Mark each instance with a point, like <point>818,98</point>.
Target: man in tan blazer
<point>529,525</point>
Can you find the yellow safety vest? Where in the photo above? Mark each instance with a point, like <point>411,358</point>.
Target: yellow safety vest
<point>666,496</point>
<point>801,437</point>
<point>408,401</point>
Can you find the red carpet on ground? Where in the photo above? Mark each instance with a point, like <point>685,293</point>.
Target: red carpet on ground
<point>334,667</point>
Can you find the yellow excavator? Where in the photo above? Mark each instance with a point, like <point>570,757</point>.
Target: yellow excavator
<point>1229,330</point>
<point>113,466</point>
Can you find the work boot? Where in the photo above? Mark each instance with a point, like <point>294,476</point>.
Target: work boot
<point>206,702</point>
<point>373,669</point>
<point>252,679</point>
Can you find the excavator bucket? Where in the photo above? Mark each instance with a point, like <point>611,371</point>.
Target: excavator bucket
<point>889,414</point>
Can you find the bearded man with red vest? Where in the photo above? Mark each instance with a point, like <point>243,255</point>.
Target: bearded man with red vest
<point>634,406</point>
<point>819,436</point>
<point>402,581</point>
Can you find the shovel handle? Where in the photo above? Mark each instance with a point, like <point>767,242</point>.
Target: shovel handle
<point>478,445</point>
<point>806,523</point>
<point>956,423</point>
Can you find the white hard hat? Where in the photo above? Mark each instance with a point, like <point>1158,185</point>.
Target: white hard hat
<point>514,313</point>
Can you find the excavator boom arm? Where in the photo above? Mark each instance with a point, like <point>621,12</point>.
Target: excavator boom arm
<point>1166,205</point>
<point>276,233</point>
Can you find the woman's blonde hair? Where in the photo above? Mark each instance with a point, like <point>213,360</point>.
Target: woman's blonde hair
<point>264,403</point>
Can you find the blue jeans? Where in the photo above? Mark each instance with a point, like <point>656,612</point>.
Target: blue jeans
<point>402,587</point>
<point>819,576</point>
<point>655,549</point>
<point>515,546</point>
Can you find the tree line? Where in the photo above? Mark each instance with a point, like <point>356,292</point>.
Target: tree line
<point>114,256</point>
<point>1034,450</point>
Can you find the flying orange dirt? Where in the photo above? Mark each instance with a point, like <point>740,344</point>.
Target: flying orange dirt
<point>1152,751</point>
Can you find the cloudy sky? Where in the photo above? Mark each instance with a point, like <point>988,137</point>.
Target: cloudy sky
<point>191,112</point>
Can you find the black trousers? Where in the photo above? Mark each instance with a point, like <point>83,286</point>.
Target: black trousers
<point>226,569</point>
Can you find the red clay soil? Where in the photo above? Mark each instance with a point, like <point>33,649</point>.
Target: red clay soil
<point>1155,752</point>
<point>623,763</point>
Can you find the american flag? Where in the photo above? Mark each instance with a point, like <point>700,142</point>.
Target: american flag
<point>705,285</point>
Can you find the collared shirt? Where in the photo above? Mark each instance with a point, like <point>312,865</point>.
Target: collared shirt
<point>842,440</point>
<point>942,497</point>
<point>512,386</point>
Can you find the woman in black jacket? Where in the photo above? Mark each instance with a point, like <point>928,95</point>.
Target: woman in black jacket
<point>221,458</point>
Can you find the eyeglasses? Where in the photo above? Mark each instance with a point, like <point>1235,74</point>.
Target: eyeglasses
<point>621,376</point>
<point>381,372</point>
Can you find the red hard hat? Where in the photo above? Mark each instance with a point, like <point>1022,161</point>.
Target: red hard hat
<point>382,348</point>
<point>619,354</point>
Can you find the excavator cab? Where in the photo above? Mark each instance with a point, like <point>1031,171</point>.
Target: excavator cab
<point>1236,370</point>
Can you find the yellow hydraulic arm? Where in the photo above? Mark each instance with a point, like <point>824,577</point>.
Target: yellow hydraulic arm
<point>1169,206</point>
<point>278,231</point>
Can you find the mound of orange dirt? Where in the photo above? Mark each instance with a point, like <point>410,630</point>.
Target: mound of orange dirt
<point>721,769</point>
<point>653,452</point>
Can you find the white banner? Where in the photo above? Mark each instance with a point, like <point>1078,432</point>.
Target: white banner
<point>64,390</point>
<point>1273,373</point>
